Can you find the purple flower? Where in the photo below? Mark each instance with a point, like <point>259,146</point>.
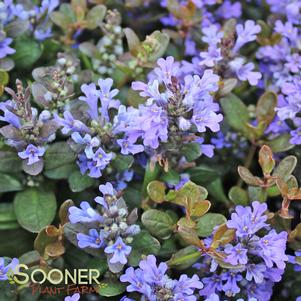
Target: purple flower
<point>32,153</point>
<point>205,116</point>
<point>246,33</point>
<point>5,49</point>
<point>296,136</point>
<point>98,162</point>
<point>166,69</point>
<point>84,215</point>
<point>74,297</point>
<point>211,56</point>
<point>86,141</point>
<point>256,272</point>
<point>212,35</point>
<point>95,239</point>
<point>107,97</point>
<point>245,72</point>
<point>129,148</point>
<point>119,250</point>
<point>272,249</point>
<point>151,280</point>
<point>5,269</point>
<point>70,124</point>
<point>109,195</point>
<point>91,98</point>
<point>236,254</point>
<point>230,287</point>
<point>228,10</point>
<point>247,221</point>
<point>212,284</point>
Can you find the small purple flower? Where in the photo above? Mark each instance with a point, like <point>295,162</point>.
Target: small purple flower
<point>245,72</point>
<point>109,195</point>
<point>107,97</point>
<point>247,221</point>
<point>212,285</point>
<point>74,297</point>
<point>246,33</point>
<point>32,153</point>
<point>256,272</point>
<point>119,250</point>
<point>296,136</point>
<point>230,287</point>
<point>5,49</point>
<point>205,116</point>
<point>70,124</point>
<point>166,69</point>
<point>129,148</point>
<point>95,239</point>
<point>236,254</point>
<point>272,249</point>
<point>211,57</point>
<point>91,98</point>
<point>212,35</point>
<point>84,215</point>
<point>4,269</point>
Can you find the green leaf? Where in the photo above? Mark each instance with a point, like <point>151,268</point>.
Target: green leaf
<point>171,177</point>
<point>122,163</point>
<point>191,151</point>
<point>265,108</point>
<point>156,191</point>
<point>99,264</point>
<point>8,219</point>
<point>155,45</point>
<point>203,174</point>
<point>95,16</point>
<point>266,161</point>
<point>61,172</point>
<point>64,16</point>
<point>257,194</point>
<point>110,289</point>
<point>222,236</point>
<point>151,174</point>
<point>20,238</point>
<point>79,182</point>
<point>132,40</point>
<point>280,144</point>
<point>9,183</point>
<point>27,53</point>
<point>216,191</point>
<point>9,161</point>
<point>285,167</point>
<point>184,258</point>
<point>7,292</point>
<point>58,155</point>
<point>207,222</point>
<point>248,177</point>
<point>35,209</point>
<point>238,196</point>
<point>236,113</point>
<point>158,223</point>
<point>142,245</point>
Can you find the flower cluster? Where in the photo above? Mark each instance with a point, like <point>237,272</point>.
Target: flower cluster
<point>254,261</point>
<point>105,53</point>
<point>178,109</point>
<point>92,136</point>
<point>27,130</point>
<point>152,282</point>
<point>111,228</point>
<point>223,51</point>
<point>280,62</point>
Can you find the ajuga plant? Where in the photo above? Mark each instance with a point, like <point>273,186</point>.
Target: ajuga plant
<point>149,150</point>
